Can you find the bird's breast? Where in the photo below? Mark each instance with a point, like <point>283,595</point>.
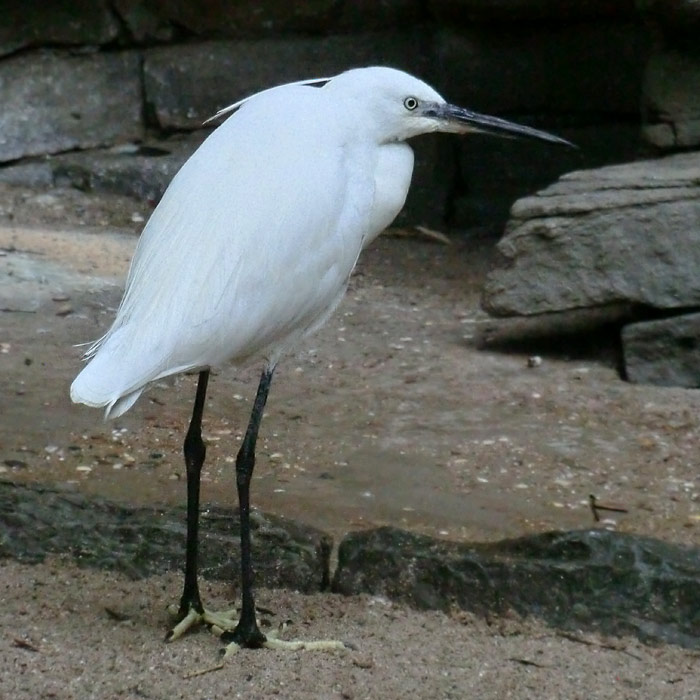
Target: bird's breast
<point>392,178</point>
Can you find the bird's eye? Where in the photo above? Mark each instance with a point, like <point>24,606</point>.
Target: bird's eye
<point>410,103</point>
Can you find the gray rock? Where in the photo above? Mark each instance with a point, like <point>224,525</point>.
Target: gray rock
<point>672,98</point>
<point>62,102</point>
<point>613,583</point>
<point>143,171</point>
<point>240,19</point>
<point>571,69</point>
<point>186,84</point>
<point>622,236</point>
<point>664,352</point>
<point>143,20</point>
<point>149,20</point>
<point>469,11</point>
<point>37,174</point>
<point>676,17</point>
<point>496,172</point>
<point>57,22</point>
<point>370,15</point>
<point>37,521</point>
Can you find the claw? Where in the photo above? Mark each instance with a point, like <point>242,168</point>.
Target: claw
<point>297,644</point>
<point>218,623</point>
<point>190,620</point>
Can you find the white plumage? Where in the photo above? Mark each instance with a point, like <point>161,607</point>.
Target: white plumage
<point>252,244</point>
<point>250,249</point>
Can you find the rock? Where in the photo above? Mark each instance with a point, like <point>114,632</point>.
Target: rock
<point>56,22</point>
<point>149,20</point>
<point>563,69</point>
<point>370,15</point>
<point>677,17</point>
<point>470,11</point>
<point>504,71</point>
<point>37,521</point>
<point>32,173</point>
<point>143,172</point>
<point>143,20</point>
<point>494,172</point>
<point>593,579</point>
<point>671,99</point>
<point>623,236</point>
<point>664,352</point>
<point>235,19</point>
<point>62,102</point>
<point>187,84</point>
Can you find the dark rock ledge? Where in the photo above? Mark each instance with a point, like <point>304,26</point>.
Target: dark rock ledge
<point>581,580</point>
<point>36,521</point>
<point>587,579</point>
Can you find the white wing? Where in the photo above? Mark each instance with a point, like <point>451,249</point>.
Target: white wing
<point>232,108</point>
<point>252,243</point>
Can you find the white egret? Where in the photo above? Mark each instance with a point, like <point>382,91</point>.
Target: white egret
<point>250,250</point>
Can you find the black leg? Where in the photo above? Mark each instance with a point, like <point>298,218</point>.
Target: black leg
<point>247,632</point>
<point>195,451</point>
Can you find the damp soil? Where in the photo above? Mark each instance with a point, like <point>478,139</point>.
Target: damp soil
<point>391,414</point>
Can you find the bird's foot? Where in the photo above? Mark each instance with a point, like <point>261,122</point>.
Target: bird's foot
<point>272,641</point>
<point>217,622</point>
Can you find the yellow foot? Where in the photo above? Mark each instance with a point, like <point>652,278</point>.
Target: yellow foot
<point>218,623</point>
<point>273,642</point>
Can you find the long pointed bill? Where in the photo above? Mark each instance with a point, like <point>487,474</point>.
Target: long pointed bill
<point>462,120</point>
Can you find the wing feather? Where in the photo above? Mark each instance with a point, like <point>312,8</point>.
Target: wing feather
<point>251,244</point>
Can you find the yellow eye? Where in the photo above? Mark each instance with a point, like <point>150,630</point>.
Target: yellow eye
<point>410,103</point>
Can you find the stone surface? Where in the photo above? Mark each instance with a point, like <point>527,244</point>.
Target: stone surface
<point>672,97</point>
<point>143,22</point>
<point>495,172</point>
<point>367,15</point>
<point>63,102</point>
<point>621,236</point>
<point>592,579</point>
<point>37,521</point>
<point>143,171</point>
<point>468,11</point>
<point>57,22</point>
<point>568,68</point>
<point>678,17</point>
<point>664,352</point>
<point>223,18</point>
<point>187,84</point>
<point>146,18</point>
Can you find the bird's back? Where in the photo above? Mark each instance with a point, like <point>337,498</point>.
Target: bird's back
<point>250,246</point>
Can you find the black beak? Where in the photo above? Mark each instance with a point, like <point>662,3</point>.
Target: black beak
<point>460,120</point>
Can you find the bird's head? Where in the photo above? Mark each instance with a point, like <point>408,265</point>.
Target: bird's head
<point>402,106</point>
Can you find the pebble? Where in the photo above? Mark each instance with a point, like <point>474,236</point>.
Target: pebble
<point>64,310</point>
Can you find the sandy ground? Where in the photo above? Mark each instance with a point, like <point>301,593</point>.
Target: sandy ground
<point>390,415</point>
<point>69,633</point>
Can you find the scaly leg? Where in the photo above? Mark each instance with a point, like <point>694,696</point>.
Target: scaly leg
<point>247,633</point>
<point>191,611</point>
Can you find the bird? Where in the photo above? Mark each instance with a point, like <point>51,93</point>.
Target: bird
<point>250,250</point>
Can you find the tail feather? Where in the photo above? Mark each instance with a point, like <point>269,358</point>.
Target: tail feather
<point>111,379</point>
<point>122,404</point>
